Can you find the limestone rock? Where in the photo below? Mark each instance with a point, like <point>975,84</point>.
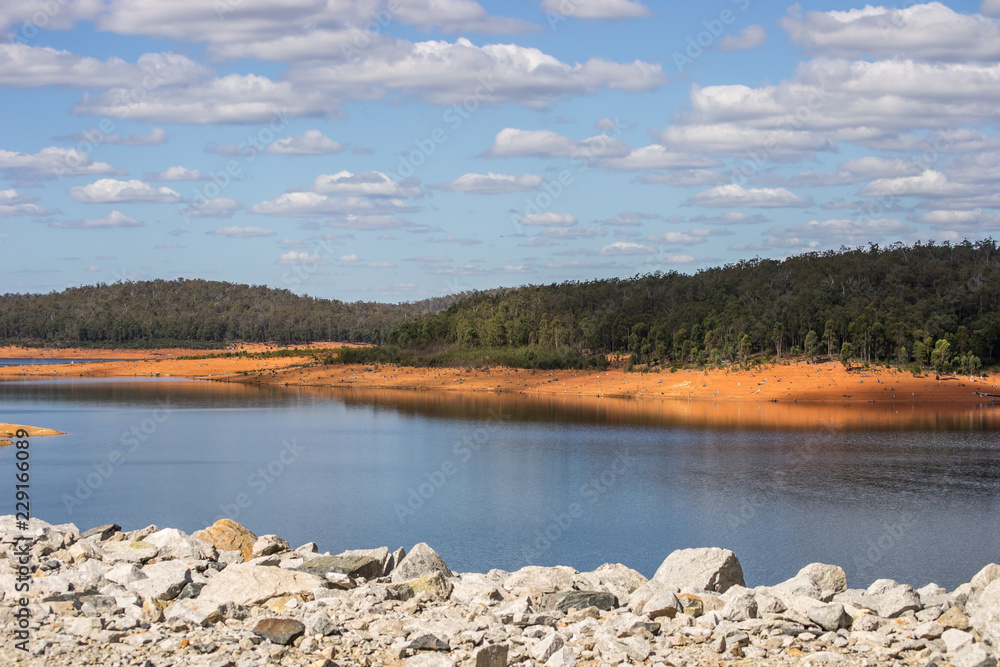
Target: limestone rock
<point>250,585</point>
<point>194,612</point>
<point>535,580</point>
<point>421,561</point>
<point>893,602</point>
<point>654,599</point>
<point>135,551</point>
<point>711,569</point>
<point>279,630</point>
<point>566,600</point>
<point>101,532</point>
<point>267,545</point>
<point>544,649</point>
<point>830,579</point>
<point>430,660</point>
<point>353,566</point>
<point>380,554</point>
<point>228,535</point>
<point>471,587</point>
<point>494,655</point>
<point>830,617</point>
<point>435,584</point>
<point>173,543</point>
<point>163,581</point>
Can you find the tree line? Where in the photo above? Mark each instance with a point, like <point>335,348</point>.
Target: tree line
<point>924,305</point>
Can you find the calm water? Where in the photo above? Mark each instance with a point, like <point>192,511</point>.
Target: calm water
<point>493,481</point>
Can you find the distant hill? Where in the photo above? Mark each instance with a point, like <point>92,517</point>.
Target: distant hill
<point>196,313</point>
<point>925,305</point>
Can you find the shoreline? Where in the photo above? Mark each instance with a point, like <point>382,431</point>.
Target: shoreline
<point>791,382</point>
<point>225,596</point>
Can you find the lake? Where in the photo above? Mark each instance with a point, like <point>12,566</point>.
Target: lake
<point>910,493</point>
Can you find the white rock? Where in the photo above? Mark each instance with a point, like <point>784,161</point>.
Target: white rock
<point>711,569</point>
<point>124,574</point>
<point>250,585</point>
<point>544,649</point>
<point>955,639</point>
<point>195,612</point>
<point>534,579</point>
<point>173,543</point>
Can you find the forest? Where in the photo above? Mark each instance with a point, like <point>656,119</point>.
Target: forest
<point>920,306</point>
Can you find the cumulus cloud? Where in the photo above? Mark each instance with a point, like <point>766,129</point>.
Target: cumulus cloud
<point>512,142</point>
<point>549,219</point>
<point>231,99</point>
<point>365,184</point>
<point>628,219</point>
<point>110,190</point>
<point>51,162</point>
<point>217,207</point>
<point>686,178</point>
<point>730,218</point>
<point>444,73</point>
<point>857,170</point>
<point>13,203</point>
<point>241,232</point>
<point>826,233</point>
<point>491,184</point>
<point>975,220</point>
<point>314,204</point>
<point>726,138</point>
<point>736,195</point>
<point>656,156</point>
<point>114,220</point>
<point>178,173</point>
<point>574,232</point>
<point>155,137</point>
<point>596,9</point>
<point>750,37</point>
<point>294,258</point>
<point>680,238</point>
<point>24,66</point>
<point>458,16</point>
<point>930,183</point>
<point>625,248</point>
<point>312,142</point>
<point>930,31</point>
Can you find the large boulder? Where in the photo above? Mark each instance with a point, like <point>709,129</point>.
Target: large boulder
<point>892,602</point>
<point>173,543</point>
<point>420,562</point>
<point>654,599</point>
<point>711,569</point>
<point>352,566</point>
<point>986,617</point>
<point>228,535</point>
<point>830,579</point>
<point>535,580</point>
<point>614,578</point>
<point>250,585</point>
<point>381,554</point>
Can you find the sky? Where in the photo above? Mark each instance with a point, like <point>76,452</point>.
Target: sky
<point>396,150</point>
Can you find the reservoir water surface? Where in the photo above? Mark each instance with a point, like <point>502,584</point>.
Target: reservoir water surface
<point>906,492</point>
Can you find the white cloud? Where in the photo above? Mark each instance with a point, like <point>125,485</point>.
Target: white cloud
<point>856,170</point>
<point>491,184</point>
<point>596,9</point>
<point>365,184</point>
<point>444,73</point>
<point>990,7</point>
<point>51,162</point>
<point>313,204</point>
<point>348,258</point>
<point>312,142</point>
<point>24,66</point>
<point>549,219</point>
<point>108,190</point>
<point>976,220</point>
<point>930,183</point>
<point>178,173</point>
<point>512,142</point>
<point>726,138</point>
<point>13,203</point>
<point>826,233</point>
<point>628,219</point>
<point>656,156</point>
<point>293,258</point>
<point>930,31</point>
<point>624,248</point>
<point>572,232</point>
<point>241,232</point>
<point>735,195</point>
<point>730,218</point>
<point>231,99</point>
<point>217,207</point>
<point>457,16</point>
<point>750,37</point>
<point>114,220</point>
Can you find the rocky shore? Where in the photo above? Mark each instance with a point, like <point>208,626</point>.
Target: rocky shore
<point>225,597</point>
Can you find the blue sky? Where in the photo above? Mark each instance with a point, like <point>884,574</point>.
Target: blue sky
<point>395,150</point>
